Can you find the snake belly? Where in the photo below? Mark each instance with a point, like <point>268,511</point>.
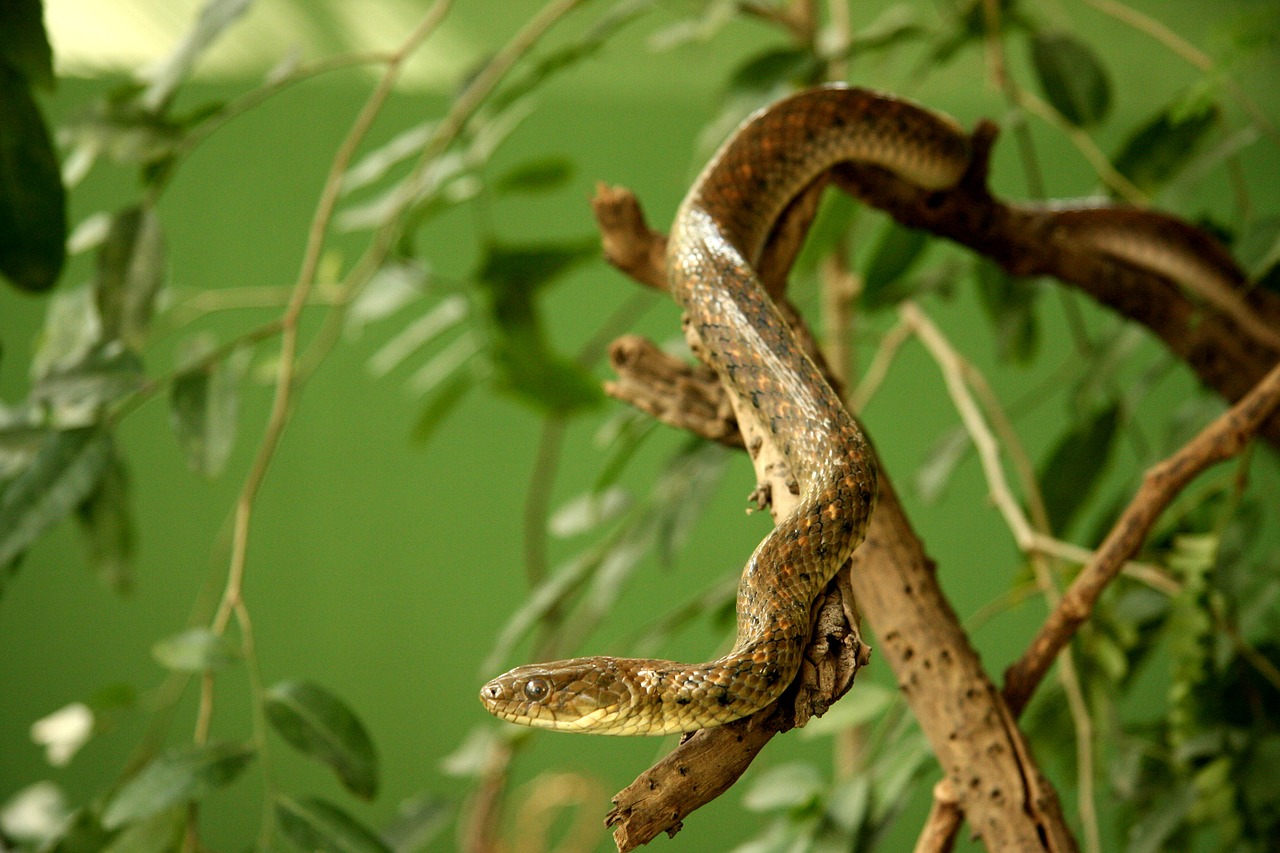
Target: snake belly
<point>715,241</point>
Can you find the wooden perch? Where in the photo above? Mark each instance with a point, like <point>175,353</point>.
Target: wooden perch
<point>991,777</point>
<point>962,713</point>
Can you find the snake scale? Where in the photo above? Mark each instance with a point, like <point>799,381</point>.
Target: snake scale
<point>717,237</point>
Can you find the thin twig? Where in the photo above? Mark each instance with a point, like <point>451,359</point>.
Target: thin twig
<point>955,368</point>
<point>1224,437</point>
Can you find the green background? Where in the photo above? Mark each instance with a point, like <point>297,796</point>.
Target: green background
<point>384,570</point>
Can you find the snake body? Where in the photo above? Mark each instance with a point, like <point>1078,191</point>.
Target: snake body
<point>716,239</point>
<point>714,244</point>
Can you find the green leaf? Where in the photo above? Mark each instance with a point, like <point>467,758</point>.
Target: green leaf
<point>418,820</point>
<point>897,251</point>
<point>76,394</point>
<point>317,826</point>
<point>194,650</point>
<point>177,776</point>
<point>107,524</point>
<point>766,71</point>
<point>71,330</point>
<point>131,271</point>
<point>65,472</point>
<point>1072,77</point>
<point>836,213</point>
<point>443,400</point>
<point>1155,152</point>
<point>939,463</point>
<point>203,406</point>
<point>787,786</point>
<point>1010,303</point>
<point>1076,465</point>
<point>215,16</point>
<point>1259,249</point>
<point>525,366</point>
<point>536,176</point>
<point>21,438</point>
<point>157,834</point>
<point>375,165</point>
<point>33,207</point>
<point>24,46</point>
<point>320,725</point>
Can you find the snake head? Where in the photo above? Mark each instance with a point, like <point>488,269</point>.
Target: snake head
<point>584,694</point>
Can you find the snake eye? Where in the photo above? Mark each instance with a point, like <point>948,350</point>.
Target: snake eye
<point>536,689</point>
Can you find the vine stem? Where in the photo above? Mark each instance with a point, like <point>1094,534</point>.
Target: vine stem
<point>232,602</point>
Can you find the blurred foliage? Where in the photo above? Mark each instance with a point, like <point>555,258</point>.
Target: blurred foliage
<point>1199,770</point>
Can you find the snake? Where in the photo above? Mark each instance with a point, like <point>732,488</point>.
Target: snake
<point>714,245</point>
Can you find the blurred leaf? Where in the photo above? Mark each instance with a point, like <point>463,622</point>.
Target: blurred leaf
<point>24,46</point>
<point>902,765</point>
<point>830,226</point>
<point>71,330</point>
<point>511,278</point>
<point>317,826</point>
<point>194,650</point>
<point>159,833</point>
<point>567,56</point>
<point>1072,77</point>
<point>1156,827</point>
<point>1159,149</point>
<point>393,286</point>
<point>787,786</point>
<point>895,253</point>
<point>856,708</point>
<point>78,394</point>
<point>1075,465</point>
<point>375,165</point>
<point>715,14</point>
<point>65,471</point>
<point>322,726</point>
<point>588,511</point>
<point>131,271</point>
<point>106,520</point>
<point>474,755</point>
<point>36,814</point>
<point>33,215</point>
<point>1259,251</point>
<point>204,403</point>
<point>90,233</point>
<point>939,463</point>
<point>418,821</point>
<point>765,71</point>
<point>535,176</point>
<point>177,776</point>
<point>21,437</point>
<point>82,833</point>
<point>443,400</point>
<point>163,80</point>
<point>894,26</point>
<point>1190,629</point>
<point>442,317</point>
<point>1010,303</point>
<point>682,491</point>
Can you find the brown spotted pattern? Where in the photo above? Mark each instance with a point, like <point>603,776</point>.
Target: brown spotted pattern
<point>717,236</point>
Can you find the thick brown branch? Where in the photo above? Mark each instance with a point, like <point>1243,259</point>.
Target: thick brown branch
<point>1024,240</point>
<point>1226,436</point>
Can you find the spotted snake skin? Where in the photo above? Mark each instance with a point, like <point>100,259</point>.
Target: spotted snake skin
<point>715,242</point>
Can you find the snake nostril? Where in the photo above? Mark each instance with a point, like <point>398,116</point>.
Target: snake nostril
<point>491,691</point>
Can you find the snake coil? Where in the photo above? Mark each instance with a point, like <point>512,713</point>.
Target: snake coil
<point>715,242</point>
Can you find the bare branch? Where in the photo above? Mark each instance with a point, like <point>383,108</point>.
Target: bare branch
<point>1226,436</point>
